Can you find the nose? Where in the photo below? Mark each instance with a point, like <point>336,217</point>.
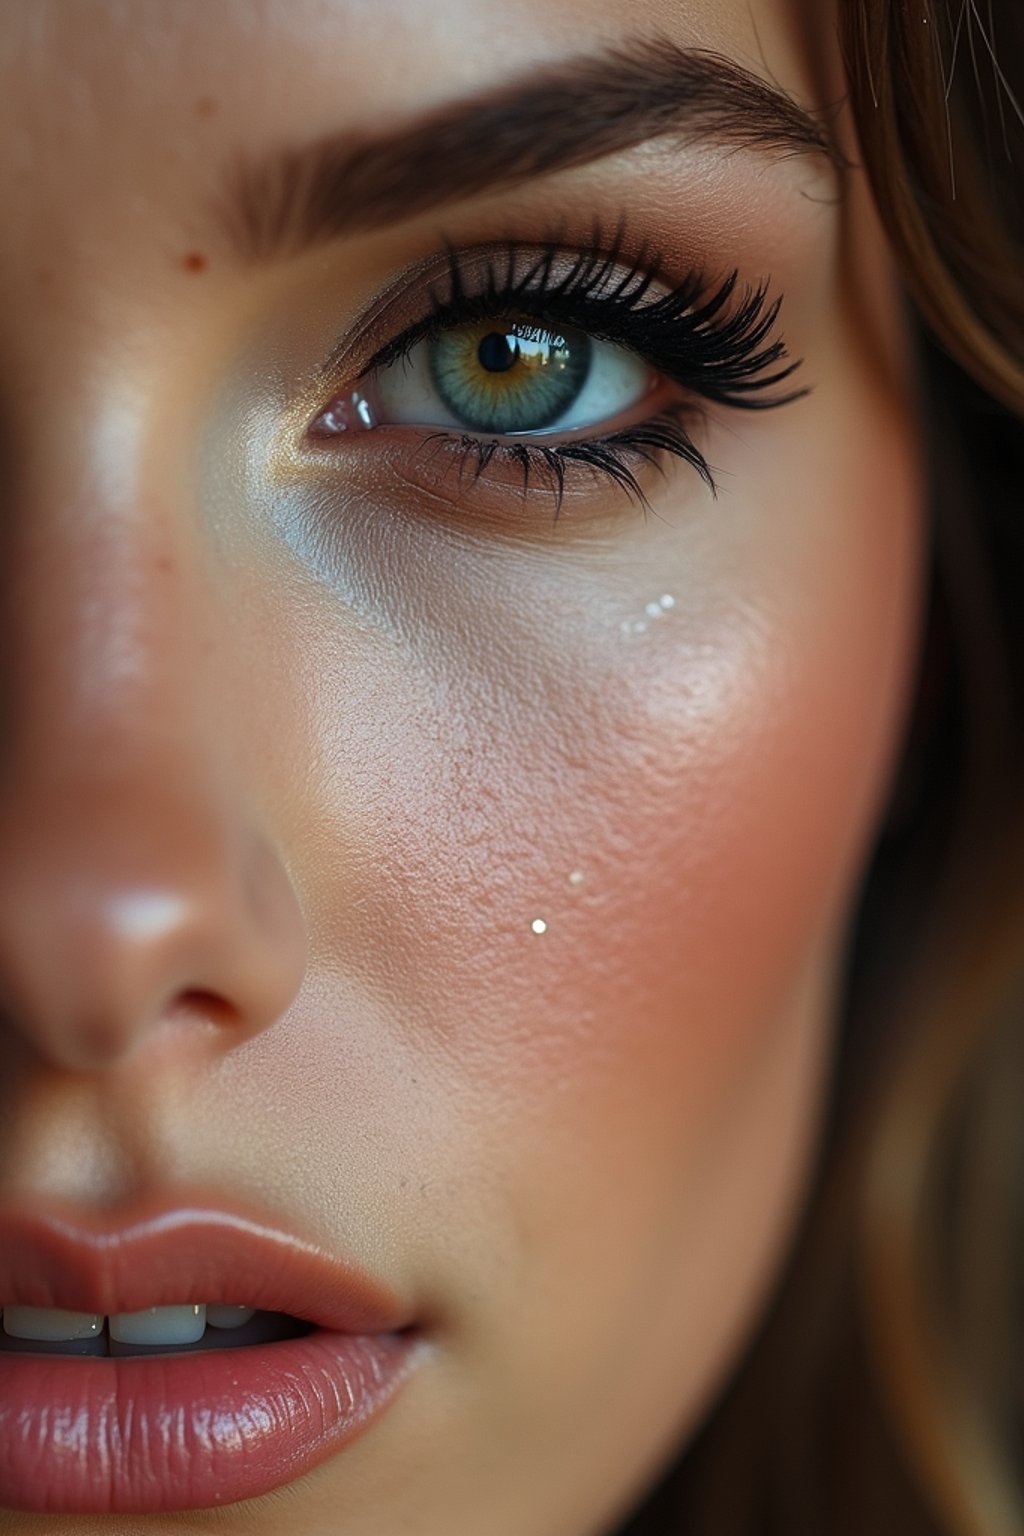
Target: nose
<point>141,882</point>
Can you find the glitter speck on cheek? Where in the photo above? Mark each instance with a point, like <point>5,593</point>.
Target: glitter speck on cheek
<point>539,925</point>
<point>655,609</point>
<point>576,878</point>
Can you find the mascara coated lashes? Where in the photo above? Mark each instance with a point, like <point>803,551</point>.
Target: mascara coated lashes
<point>713,342</point>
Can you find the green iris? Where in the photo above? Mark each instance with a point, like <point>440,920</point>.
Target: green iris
<point>509,376</point>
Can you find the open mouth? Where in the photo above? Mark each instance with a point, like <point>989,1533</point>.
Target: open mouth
<point>185,1329</point>
<point>246,1397</point>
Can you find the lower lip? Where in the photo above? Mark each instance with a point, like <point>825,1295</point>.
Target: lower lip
<point>138,1435</point>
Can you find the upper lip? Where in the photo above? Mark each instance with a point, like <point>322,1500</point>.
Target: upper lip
<point>192,1253</point>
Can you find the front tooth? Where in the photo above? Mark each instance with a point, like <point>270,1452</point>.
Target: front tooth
<point>218,1316</point>
<point>51,1324</point>
<point>159,1325</point>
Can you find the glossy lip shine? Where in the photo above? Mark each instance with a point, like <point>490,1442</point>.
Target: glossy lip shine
<point>175,1432</point>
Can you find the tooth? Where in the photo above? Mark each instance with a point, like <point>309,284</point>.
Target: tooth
<point>228,1317</point>
<point>51,1324</point>
<point>159,1325</point>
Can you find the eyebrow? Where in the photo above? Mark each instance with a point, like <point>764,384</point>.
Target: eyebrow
<point>554,118</point>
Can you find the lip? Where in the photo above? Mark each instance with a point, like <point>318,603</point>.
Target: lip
<point>139,1434</point>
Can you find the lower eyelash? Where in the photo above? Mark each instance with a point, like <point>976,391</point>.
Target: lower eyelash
<point>648,441</point>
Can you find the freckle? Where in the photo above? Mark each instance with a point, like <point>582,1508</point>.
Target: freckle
<point>207,106</point>
<point>539,925</point>
<point>44,278</point>
<point>195,261</point>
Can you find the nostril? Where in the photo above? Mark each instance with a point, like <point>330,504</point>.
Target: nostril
<point>200,1003</point>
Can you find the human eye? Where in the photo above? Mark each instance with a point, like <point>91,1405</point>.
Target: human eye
<point>556,363</point>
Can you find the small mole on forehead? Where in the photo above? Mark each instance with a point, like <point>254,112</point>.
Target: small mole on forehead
<point>195,261</point>
<point>539,925</point>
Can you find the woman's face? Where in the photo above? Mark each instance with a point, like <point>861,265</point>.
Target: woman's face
<point>453,877</point>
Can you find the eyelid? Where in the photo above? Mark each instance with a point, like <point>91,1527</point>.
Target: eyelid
<point>716,340</point>
<point>475,271</point>
<point>408,300</point>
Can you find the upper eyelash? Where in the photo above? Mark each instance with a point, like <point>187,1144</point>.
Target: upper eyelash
<point>682,332</point>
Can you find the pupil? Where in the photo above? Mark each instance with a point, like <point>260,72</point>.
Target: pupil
<point>497,353</point>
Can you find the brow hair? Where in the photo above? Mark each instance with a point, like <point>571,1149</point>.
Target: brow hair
<point>559,116</point>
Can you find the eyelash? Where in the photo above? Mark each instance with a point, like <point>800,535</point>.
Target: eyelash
<point>686,334</point>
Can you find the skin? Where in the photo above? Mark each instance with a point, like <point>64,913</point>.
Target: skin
<point>356,728</point>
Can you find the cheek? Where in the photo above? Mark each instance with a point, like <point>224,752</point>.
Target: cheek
<point>608,1120</point>
<point>682,809</point>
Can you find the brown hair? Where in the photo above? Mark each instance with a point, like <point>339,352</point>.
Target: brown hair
<point>884,1392</point>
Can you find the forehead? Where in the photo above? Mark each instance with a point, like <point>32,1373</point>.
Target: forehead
<point>101,91</point>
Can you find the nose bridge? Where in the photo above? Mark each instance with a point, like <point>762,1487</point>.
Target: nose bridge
<point>135,873</point>
<point>106,610</point>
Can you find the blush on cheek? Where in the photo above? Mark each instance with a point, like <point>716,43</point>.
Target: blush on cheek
<point>749,850</point>
<point>642,871</point>
<point>643,1078</point>
<point>593,861</point>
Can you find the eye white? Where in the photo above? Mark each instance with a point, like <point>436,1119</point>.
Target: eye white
<point>405,394</point>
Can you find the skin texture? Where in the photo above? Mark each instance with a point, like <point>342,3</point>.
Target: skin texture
<point>299,742</point>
